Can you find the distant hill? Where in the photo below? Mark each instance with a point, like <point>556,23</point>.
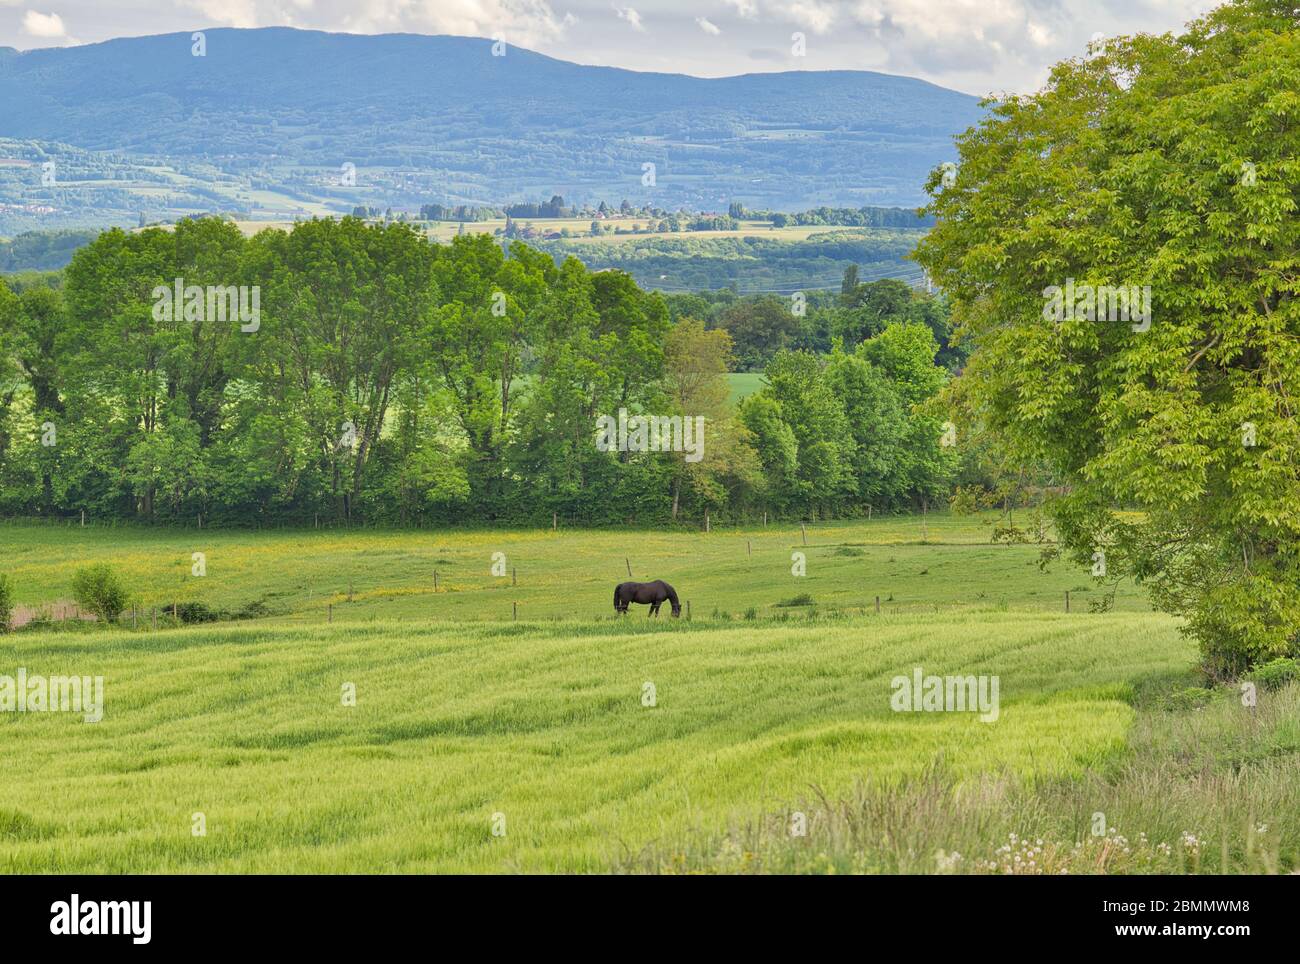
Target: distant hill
<point>41,250</point>
<point>431,118</point>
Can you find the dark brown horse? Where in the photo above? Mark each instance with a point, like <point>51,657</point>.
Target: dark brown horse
<point>652,593</point>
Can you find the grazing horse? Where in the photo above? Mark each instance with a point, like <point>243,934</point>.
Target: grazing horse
<point>653,593</point>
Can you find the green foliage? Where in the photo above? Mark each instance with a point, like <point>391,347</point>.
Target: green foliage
<point>6,602</point>
<point>785,261</point>
<point>99,591</point>
<point>41,250</point>
<point>1276,673</point>
<point>387,379</point>
<point>196,612</point>
<point>803,599</point>
<point>1166,163</point>
<point>850,431</point>
<point>759,329</point>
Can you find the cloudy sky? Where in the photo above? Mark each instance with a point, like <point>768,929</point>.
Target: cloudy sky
<point>979,46</point>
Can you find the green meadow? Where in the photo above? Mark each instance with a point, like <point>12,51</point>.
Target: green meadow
<point>567,739</point>
<point>913,564</point>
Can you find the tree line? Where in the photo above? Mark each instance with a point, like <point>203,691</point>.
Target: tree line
<point>356,373</point>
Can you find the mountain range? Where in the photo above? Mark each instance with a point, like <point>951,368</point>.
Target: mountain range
<point>267,119</point>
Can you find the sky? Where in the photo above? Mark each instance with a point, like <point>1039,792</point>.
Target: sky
<point>976,46</point>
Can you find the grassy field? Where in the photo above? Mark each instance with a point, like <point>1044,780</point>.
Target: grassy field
<point>913,565</point>
<point>467,720</point>
<point>743,384</point>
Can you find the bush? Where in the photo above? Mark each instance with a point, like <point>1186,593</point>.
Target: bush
<point>196,612</point>
<point>99,591</point>
<point>1277,673</point>
<point>6,602</point>
<point>803,599</point>
<point>255,609</point>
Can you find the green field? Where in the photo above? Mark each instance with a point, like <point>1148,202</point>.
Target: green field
<point>762,702</point>
<point>912,564</point>
<point>743,384</point>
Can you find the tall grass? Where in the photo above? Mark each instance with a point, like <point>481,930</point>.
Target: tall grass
<point>546,723</point>
<point>1214,790</point>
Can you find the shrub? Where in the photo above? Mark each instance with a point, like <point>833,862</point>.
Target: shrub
<point>196,612</point>
<point>254,609</point>
<point>6,602</point>
<point>1277,673</point>
<point>99,591</point>
<point>803,599</point>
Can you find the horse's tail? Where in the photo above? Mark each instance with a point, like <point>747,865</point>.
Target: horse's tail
<point>616,589</point>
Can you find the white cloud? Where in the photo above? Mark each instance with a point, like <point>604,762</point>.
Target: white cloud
<point>44,24</point>
<point>816,15</point>
<point>232,13</point>
<point>528,23</point>
<point>630,15</point>
<point>974,45</point>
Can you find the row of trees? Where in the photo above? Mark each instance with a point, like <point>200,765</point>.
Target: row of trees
<point>374,376</point>
<point>762,326</point>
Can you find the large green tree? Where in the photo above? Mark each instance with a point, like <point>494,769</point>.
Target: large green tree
<point>1167,165</point>
<point>343,308</point>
